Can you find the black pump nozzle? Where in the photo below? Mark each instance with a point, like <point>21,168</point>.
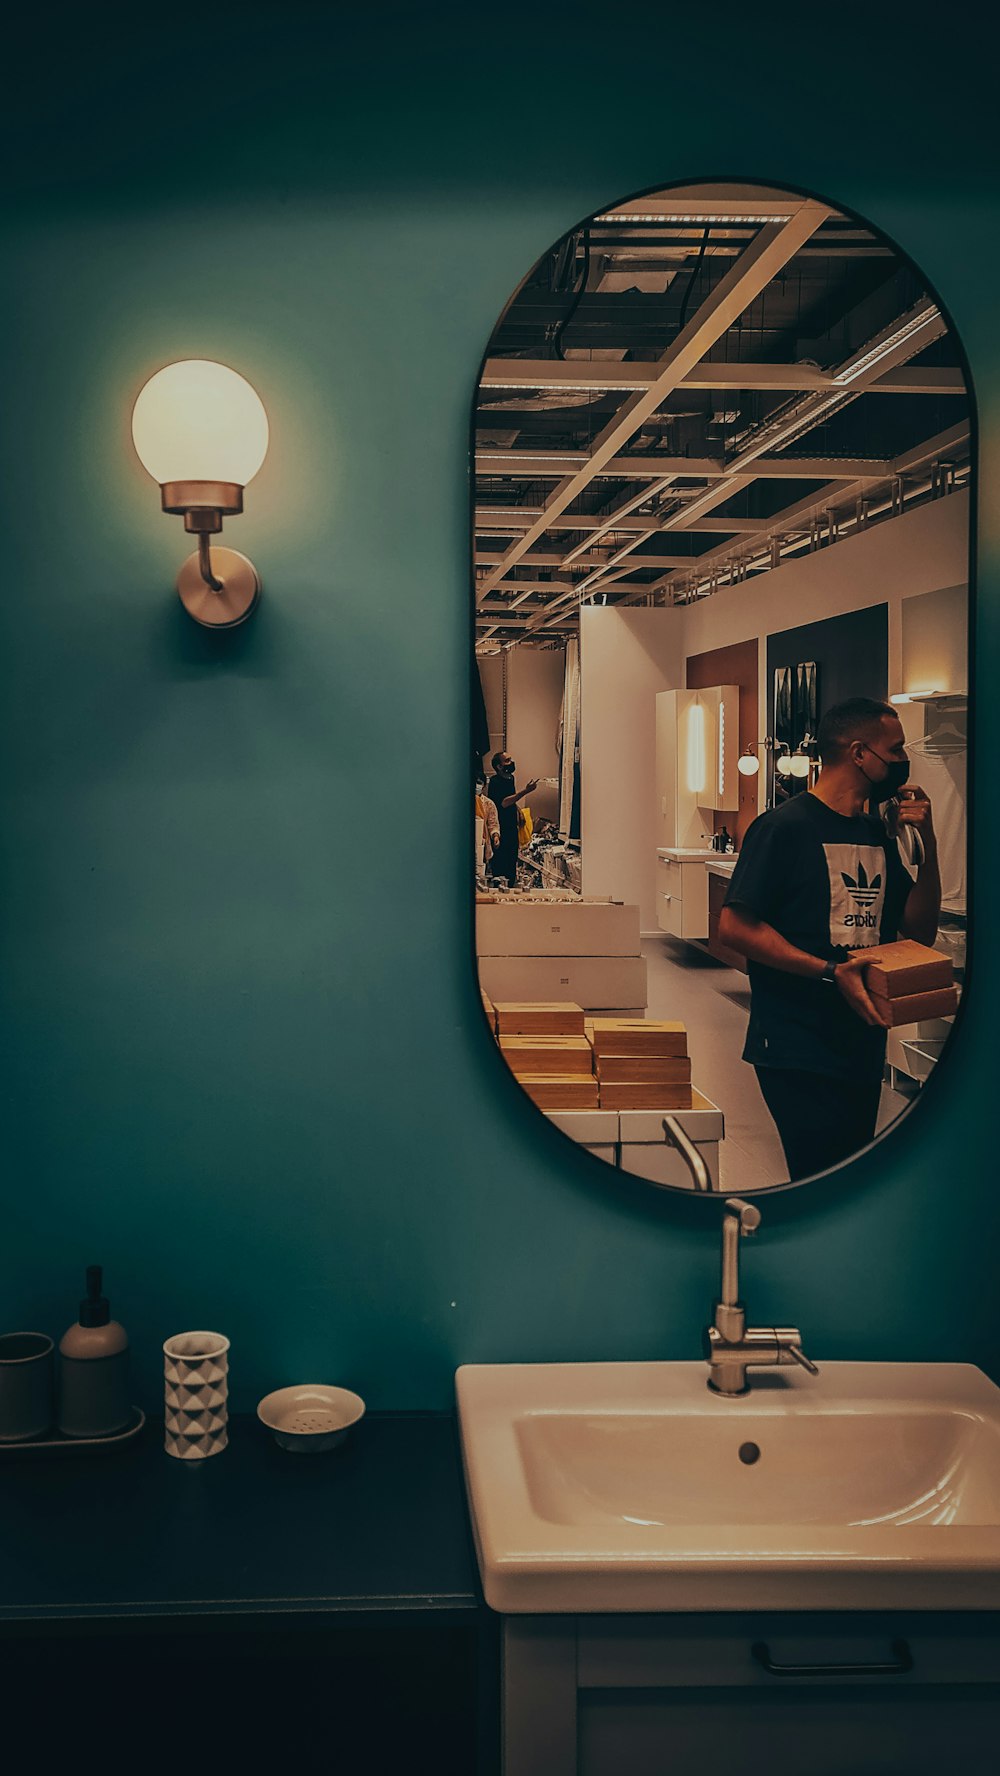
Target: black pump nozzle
<point>95,1310</point>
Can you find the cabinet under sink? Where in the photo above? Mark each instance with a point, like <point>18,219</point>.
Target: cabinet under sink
<point>763,1694</point>
<point>682,898</point>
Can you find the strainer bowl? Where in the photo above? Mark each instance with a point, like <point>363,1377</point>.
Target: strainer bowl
<point>310,1418</point>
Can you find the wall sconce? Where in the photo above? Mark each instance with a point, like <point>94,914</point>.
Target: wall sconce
<point>748,764</point>
<point>200,430</point>
<point>783,763</point>
<point>802,762</point>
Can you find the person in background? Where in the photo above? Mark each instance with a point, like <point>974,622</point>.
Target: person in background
<point>488,833</point>
<point>503,791</point>
<point>815,879</point>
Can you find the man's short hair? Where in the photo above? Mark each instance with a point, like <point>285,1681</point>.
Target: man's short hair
<point>497,760</point>
<point>855,719</point>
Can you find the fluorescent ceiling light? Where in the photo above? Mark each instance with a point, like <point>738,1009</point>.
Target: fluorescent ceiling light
<point>924,316</point>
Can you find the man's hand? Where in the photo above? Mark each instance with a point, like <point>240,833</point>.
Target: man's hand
<point>849,979</point>
<point>914,809</point>
<point>530,786</point>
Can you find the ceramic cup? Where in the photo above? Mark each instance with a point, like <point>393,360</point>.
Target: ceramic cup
<point>196,1389</point>
<point>27,1372</point>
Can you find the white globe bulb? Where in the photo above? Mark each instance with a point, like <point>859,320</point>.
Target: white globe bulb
<point>799,764</point>
<point>748,764</point>
<point>199,421</point>
<point>783,765</point>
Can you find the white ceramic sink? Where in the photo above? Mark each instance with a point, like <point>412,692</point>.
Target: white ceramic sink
<point>620,1487</point>
<point>684,854</point>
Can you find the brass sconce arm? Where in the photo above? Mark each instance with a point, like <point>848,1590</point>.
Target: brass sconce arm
<point>200,413</point>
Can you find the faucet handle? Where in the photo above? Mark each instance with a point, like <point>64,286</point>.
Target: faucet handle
<point>747,1215</point>
<point>789,1340</point>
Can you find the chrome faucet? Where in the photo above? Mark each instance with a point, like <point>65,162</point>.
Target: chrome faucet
<point>731,1347</point>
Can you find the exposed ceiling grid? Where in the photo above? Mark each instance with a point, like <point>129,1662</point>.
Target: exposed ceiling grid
<point>678,357</point>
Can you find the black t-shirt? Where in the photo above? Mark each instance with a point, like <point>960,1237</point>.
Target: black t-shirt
<point>499,786</point>
<point>824,881</point>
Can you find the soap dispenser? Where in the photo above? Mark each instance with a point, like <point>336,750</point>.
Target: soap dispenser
<point>93,1368</point>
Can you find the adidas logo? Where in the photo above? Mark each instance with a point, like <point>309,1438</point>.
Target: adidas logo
<point>862,892</point>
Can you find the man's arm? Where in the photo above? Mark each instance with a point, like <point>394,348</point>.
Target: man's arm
<point>512,801</point>
<point>922,908</point>
<point>741,930</point>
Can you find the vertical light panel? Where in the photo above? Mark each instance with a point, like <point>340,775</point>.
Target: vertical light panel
<point>696,749</point>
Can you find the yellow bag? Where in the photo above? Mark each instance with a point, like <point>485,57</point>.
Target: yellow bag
<point>525,826</point>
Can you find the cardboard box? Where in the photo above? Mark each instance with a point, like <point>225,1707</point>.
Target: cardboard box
<point>574,928</point>
<point>896,970</point>
<point>553,1017</point>
<point>553,1093</point>
<point>632,1069</point>
<point>563,1055</point>
<point>638,1036</point>
<point>913,1007</point>
<point>703,1122</point>
<point>596,1129</point>
<point>595,982</point>
<point>645,1097</point>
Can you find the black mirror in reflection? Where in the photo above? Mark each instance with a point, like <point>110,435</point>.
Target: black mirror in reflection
<point>723,463</point>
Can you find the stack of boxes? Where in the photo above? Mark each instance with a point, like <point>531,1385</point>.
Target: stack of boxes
<point>566,1062</point>
<point>641,1064</point>
<point>546,1050</point>
<point>561,947</point>
<point>910,981</point>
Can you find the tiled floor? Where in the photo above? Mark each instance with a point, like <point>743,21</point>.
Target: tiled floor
<point>714,1002</point>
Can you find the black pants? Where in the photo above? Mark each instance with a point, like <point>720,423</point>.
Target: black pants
<point>504,862</point>
<point>821,1120</point>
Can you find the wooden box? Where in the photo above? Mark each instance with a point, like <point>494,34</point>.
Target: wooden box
<point>631,1069</point>
<point>544,1017</point>
<point>557,1093</point>
<point>563,1055</point>
<point>896,970</point>
<point>642,1036</point>
<point>912,1008</point>
<point>645,1096</point>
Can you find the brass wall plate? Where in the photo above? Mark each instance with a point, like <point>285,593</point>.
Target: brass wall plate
<point>220,610</point>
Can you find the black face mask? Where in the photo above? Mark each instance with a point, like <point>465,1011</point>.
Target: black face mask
<point>896,774</point>
<point>509,769</point>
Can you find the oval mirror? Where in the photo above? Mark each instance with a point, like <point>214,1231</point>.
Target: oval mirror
<point>722,560</point>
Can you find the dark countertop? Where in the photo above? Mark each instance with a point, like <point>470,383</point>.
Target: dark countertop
<point>374,1528</point>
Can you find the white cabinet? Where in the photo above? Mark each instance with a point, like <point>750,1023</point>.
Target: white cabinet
<point>682,898</point>
<point>697,749</point>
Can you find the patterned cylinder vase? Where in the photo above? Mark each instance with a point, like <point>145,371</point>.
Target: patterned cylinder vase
<point>196,1391</point>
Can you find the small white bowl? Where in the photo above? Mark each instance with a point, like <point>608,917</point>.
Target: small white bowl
<point>310,1418</point>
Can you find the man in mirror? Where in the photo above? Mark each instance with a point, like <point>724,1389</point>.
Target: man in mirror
<point>503,791</point>
<point>817,878</point>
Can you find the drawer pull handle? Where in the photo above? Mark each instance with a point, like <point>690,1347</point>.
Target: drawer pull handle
<point>902,1661</point>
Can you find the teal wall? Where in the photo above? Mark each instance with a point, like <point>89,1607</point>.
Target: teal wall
<point>243,1061</point>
